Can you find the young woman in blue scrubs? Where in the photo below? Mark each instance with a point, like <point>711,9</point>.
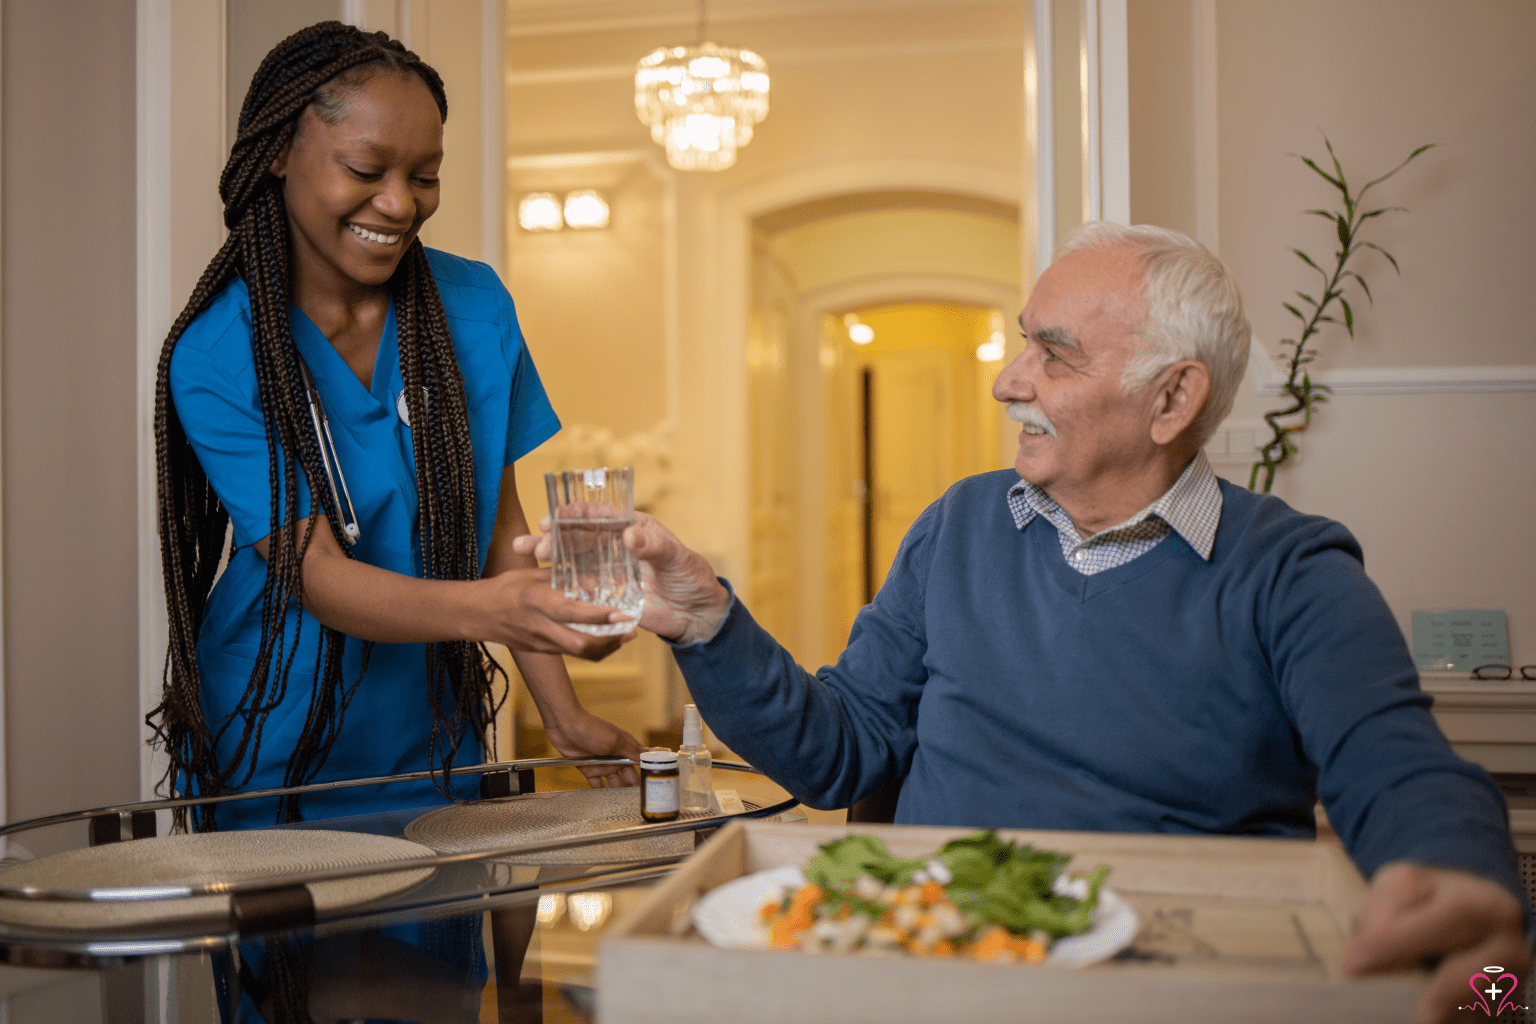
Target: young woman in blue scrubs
<point>351,405</point>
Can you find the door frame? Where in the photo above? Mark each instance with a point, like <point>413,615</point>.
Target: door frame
<point>805,336</point>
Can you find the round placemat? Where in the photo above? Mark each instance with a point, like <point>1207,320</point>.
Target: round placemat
<point>538,817</point>
<point>200,859</point>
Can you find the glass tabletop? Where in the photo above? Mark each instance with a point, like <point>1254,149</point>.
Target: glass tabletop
<point>484,938</point>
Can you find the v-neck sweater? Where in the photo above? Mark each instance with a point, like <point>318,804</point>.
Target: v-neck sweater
<point>1168,694</point>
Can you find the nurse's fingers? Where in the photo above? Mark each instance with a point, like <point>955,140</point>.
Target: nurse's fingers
<point>535,544</point>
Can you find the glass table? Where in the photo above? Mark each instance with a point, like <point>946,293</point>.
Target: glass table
<point>502,931</point>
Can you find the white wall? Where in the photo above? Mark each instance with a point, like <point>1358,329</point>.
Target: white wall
<point>1432,477</point>
<point>68,455</point>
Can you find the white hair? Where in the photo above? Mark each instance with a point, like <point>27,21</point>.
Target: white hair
<point>1194,311</point>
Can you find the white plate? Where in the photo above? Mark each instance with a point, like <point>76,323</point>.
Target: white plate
<point>729,915</point>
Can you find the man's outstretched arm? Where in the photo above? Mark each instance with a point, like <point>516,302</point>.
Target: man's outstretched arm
<point>830,737</point>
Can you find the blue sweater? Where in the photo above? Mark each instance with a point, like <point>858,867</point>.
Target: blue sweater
<point>1170,694</point>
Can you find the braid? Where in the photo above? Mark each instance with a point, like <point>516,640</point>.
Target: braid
<point>314,67</point>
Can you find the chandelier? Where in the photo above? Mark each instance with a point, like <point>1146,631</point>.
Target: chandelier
<point>701,101</point>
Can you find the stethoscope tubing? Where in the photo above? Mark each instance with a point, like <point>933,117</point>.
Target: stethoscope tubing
<point>349,526</point>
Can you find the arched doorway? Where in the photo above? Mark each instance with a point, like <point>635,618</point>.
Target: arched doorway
<point>849,442</point>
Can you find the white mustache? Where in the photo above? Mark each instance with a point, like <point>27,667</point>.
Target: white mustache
<point>1027,415</point>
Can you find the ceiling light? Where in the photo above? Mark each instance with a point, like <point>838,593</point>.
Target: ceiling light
<point>861,334</point>
<point>539,211</point>
<point>586,208</point>
<point>701,101</point>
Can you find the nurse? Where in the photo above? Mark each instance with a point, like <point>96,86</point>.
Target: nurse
<point>351,404</point>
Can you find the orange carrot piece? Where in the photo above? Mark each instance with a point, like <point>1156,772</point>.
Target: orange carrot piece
<point>989,943</point>
<point>781,935</point>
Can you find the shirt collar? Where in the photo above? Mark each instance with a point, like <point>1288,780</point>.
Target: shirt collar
<point>1191,507</point>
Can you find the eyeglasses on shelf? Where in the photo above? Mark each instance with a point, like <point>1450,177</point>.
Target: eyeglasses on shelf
<point>1503,672</point>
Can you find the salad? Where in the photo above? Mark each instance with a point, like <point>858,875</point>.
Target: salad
<point>977,896</point>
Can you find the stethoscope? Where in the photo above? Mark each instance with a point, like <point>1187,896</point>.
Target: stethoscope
<point>329,458</point>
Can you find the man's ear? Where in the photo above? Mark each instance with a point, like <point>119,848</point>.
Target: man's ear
<point>1182,391</point>
<point>280,162</point>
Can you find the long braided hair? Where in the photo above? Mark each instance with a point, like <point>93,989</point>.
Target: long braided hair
<point>316,67</point>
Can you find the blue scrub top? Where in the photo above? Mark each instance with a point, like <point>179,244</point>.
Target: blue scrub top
<point>387,727</point>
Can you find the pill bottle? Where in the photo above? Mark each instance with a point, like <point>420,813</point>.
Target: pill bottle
<point>658,785</point>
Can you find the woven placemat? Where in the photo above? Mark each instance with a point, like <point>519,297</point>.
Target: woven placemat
<point>537,817</point>
<point>201,859</point>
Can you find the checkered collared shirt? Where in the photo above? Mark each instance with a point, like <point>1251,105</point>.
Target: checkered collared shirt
<point>1191,508</point>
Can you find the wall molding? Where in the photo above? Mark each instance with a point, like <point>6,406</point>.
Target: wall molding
<point>567,17</point>
<point>821,54</point>
<point>1396,380</point>
<point>154,315</point>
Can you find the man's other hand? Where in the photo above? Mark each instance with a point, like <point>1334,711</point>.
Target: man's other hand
<point>1412,914</point>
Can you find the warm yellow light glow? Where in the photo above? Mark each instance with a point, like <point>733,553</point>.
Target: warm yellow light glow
<point>551,907</point>
<point>701,102</point>
<point>539,211</point>
<point>586,209</point>
<point>587,910</point>
<point>991,350</point>
<point>861,334</point>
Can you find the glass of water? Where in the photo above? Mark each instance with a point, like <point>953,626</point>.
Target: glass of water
<point>589,509</point>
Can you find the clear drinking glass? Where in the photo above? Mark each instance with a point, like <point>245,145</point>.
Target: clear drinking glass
<point>589,510</point>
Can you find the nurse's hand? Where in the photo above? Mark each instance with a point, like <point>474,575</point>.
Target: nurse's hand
<point>583,734</point>
<point>522,612</point>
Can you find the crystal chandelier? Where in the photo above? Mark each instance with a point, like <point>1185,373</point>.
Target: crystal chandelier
<point>701,101</point>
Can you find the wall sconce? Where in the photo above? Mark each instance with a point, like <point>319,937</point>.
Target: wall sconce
<point>543,211</point>
<point>586,208</point>
<point>539,211</point>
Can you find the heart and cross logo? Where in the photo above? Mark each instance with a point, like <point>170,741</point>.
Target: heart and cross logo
<point>1493,982</point>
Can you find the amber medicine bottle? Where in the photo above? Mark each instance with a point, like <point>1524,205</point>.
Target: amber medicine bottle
<point>658,785</point>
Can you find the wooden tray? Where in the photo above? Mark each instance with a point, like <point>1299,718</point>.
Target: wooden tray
<point>1231,929</point>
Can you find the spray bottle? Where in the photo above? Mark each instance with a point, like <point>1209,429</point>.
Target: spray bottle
<point>694,763</point>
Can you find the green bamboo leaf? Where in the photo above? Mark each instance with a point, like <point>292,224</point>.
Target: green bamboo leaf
<point>1406,161</point>
<point>1294,311</point>
<point>1373,245</point>
<point>1336,183</point>
<point>1343,232</point>
<point>1349,316</point>
<point>1307,260</point>
<point>1385,209</point>
<point>1337,168</point>
<point>1363,286</point>
<point>1309,300</point>
<point>1326,214</point>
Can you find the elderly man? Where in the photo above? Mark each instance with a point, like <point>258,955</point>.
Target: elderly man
<point>1120,641</point>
